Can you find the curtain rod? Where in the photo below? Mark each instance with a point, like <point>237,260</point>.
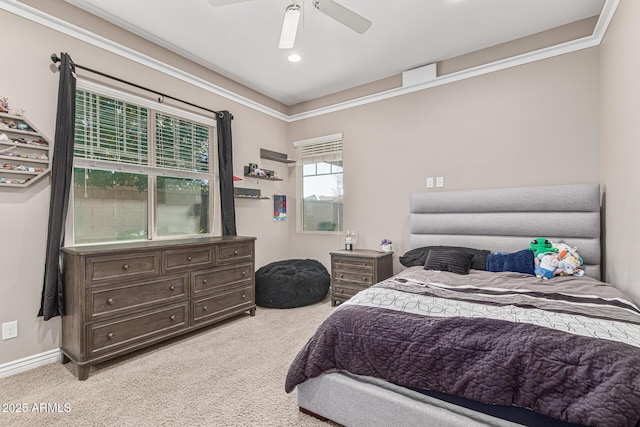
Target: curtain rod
<point>55,59</point>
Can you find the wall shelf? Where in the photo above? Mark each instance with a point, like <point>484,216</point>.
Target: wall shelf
<point>275,156</point>
<point>266,178</point>
<point>239,196</point>
<point>248,193</point>
<point>24,153</point>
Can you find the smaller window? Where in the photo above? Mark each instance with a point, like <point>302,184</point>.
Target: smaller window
<point>320,184</point>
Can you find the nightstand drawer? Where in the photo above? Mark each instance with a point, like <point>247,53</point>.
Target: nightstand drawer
<point>135,330</point>
<point>360,277</point>
<point>187,258</point>
<point>346,290</point>
<point>115,299</point>
<point>123,267</point>
<point>353,263</point>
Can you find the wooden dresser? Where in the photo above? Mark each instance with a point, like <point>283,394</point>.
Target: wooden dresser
<point>122,297</point>
<point>355,270</point>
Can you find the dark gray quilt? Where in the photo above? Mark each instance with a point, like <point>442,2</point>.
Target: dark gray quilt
<point>572,377</point>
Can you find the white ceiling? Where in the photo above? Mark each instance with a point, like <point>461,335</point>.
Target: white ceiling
<point>240,40</point>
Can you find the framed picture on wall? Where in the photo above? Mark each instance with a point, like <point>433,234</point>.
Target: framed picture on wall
<point>279,207</point>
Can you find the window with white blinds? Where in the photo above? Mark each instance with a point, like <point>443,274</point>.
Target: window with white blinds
<point>319,181</point>
<point>139,173</point>
<point>181,144</point>
<point>110,130</point>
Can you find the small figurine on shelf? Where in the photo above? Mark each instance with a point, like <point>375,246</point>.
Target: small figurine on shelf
<point>4,105</point>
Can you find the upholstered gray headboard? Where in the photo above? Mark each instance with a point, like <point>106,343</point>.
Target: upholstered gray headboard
<point>507,219</point>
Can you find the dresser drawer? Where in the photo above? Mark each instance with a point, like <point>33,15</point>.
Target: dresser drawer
<point>122,267</point>
<point>363,277</point>
<point>183,259</point>
<point>137,329</point>
<point>115,299</point>
<point>234,253</point>
<point>222,305</point>
<point>353,263</point>
<point>346,289</point>
<point>221,279</point>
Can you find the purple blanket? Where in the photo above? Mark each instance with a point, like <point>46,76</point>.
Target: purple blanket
<point>571,377</point>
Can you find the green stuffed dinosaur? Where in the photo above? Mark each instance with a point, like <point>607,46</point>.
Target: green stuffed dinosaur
<point>541,246</point>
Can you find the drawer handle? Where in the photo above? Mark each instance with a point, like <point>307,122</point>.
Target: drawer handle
<point>244,273</point>
<point>244,296</point>
<point>204,281</point>
<point>173,288</point>
<point>110,301</point>
<point>110,335</point>
<point>189,258</point>
<point>235,252</point>
<point>173,317</point>
<point>204,308</point>
<point>364,279</point>
<point>341,275</point>
<point>125,267</point>
<point>340,290</point>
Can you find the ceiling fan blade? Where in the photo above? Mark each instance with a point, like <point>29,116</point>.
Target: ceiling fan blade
<point>216,3</point>
<point>343,15</point>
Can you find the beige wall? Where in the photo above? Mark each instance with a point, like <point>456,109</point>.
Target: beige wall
<point>620,148</point>
<point>529,125</point>
<point>29,83</point>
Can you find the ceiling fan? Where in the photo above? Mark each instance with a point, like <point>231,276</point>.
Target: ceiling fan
<point>292,13</point>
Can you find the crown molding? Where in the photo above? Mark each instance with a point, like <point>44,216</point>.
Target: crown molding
<point>54,23</point>
<point>81,34</point>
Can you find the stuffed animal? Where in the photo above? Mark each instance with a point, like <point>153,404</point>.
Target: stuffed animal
<point>548,265</point>
<point>541,246</point>
<point>571,266</point>
<point>570,261</point>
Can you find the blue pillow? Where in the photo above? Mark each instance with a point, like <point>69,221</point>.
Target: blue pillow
<point>519,262</point>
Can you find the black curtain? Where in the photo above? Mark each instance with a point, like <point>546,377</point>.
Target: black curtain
<point>52,303</point>
<point>225,169</point>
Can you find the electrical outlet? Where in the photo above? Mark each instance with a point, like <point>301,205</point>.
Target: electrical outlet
<point>440,182</point>
<point>10,330</point>
<point>429,182</point>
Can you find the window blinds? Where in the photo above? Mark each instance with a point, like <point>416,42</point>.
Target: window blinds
<point>111,130</point>
<point>181,144</point>
<point>116,131</point>
<point>322,149</point>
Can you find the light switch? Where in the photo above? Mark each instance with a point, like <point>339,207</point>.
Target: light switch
<point>429,182</point>
<point>440,182</point>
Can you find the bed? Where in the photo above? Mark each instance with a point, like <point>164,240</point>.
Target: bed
<point>432,347</point>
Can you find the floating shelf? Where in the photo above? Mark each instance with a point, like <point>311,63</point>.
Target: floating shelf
<point>247,173</point>
<point>248,193</point>
<point>275,156</point>
<point>266,178</point>
<point>239,196</point>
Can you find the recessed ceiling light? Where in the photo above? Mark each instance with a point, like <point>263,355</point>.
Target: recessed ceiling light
<point>294,57</point>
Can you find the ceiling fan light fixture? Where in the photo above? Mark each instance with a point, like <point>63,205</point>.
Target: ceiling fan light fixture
<point>289,26</point>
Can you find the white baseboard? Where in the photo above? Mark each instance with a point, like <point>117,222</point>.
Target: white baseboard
<point>30,362</point>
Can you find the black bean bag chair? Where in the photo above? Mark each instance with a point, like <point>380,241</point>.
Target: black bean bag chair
<point>291,283</point>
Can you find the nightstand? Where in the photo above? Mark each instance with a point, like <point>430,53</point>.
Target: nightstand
<point>353,271</point>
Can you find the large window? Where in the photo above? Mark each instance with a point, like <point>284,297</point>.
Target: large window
<point>320,180</point>
<point>139,173</point>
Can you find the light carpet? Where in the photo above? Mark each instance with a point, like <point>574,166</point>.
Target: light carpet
<point>231,374</point>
